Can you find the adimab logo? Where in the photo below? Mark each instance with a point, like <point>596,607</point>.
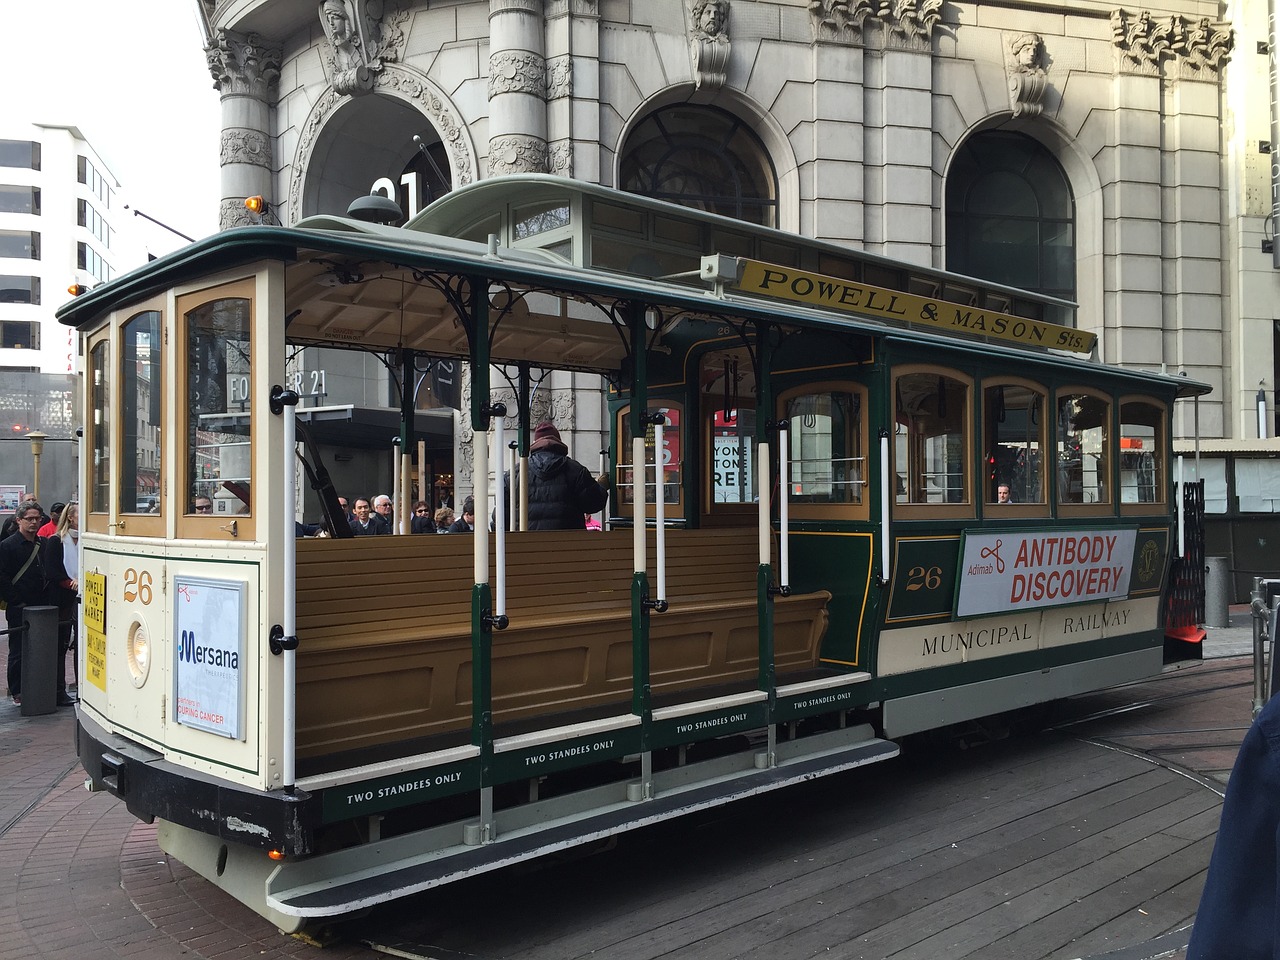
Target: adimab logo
<point>192,651</point>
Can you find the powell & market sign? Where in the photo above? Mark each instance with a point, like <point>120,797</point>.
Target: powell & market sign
<point>818,290</point>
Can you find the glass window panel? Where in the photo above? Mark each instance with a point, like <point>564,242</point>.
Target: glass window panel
<point>733,466</point>
<point>18,289</point>
<point>828,464</point>
<point>23,244</point>
<point>1142,466</point>
<point>20,153</point>
<point>672,458</point>
<point>1015,430</point>
<point>100,429</point>
<point>1214,473</point>
<point>931,439</point>
<point>218,386</point>
<point>540,218</point>
<point>140,393</point>
<point>19,199</point>
<point>1084,449</point>
<point>1258,485</point>
<point>1004,194</point>
<point>20,335</point>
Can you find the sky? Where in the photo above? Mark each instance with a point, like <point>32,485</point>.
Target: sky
<point>132,76</point>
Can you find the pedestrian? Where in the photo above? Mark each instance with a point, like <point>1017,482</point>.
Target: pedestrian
<point>366,523</point>
<point>1240,907</point>
<point>61,560</point>
<point>382,507</point>
<point>22,584</point>
<point>561,490</point>
<point>55,514</point>
<point>444,519</point>
<point>422,522</point>
<point>467,522</point>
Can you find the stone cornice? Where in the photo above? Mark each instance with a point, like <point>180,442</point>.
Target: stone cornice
<point>1188,48</point>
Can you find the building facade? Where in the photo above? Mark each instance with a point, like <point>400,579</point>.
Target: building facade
<point>60,225</point>
<point>1110,155</point>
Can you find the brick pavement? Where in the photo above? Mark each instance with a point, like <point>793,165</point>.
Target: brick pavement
<point>80,878</point>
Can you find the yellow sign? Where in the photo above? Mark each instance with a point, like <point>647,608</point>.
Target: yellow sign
<point>861,298</point>
<point>95,658</point>
<point>95,601</point>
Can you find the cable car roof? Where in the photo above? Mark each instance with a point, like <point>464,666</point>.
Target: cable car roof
<point>353,284</point>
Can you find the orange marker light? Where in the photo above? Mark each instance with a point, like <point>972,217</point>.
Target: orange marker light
<point>275,854</point>
<point>255,205</point>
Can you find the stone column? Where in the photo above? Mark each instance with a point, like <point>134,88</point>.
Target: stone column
<point>517,88</point>
<point>573,89</point>
<point>244,70</point>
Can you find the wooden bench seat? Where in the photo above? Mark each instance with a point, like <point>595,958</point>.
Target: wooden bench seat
<point>385,629</point>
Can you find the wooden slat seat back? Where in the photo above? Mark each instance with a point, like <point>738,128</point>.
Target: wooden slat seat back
<point>385,629</point>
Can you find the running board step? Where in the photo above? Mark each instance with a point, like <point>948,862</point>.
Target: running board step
<point>362,877</point>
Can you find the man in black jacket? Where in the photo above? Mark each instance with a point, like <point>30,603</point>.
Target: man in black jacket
<point>561,490</point>
<point>22,583</point>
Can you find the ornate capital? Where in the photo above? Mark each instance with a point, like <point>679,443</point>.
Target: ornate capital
<point>515,6</point>
<point>517,153</point>
<point>243,145</point>
<point>517,72</point>
<point>906,24</point>
<point>1192,49</point>
<point>243,64</point>
<point>560,77</point>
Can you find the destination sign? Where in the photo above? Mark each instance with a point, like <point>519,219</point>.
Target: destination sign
<point>848,296</point>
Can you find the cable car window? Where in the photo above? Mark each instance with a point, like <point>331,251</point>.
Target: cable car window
<point>100,468</point>
<point>140,393</point>
<point>672,459</point>
<point>1014,421</point>
<point>1084,449</point>
<point>828,464</point>
<point>931,439</point>
<point>218,394</point>
<point>1142,461</point>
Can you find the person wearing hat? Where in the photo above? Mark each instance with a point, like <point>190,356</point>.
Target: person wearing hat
<point>561,490</point>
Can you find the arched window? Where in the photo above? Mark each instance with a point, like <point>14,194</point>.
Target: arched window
<point>701,157</point>
<point>1011,215</point>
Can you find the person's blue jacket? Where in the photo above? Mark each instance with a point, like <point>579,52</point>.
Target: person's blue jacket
<point>1239,913</point>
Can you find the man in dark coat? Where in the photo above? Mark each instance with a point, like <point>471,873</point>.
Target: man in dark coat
<point>1239,915</point>
<point>467,522</point>
<point>561,490</point>
<point>366,523</point>
<point>22,583</point>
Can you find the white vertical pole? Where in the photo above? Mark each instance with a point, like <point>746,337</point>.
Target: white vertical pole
<point>404,516</point>
<point>395,486</point>
<point>639,510</point>
<point>480,454</point>
<point>784,504</point>
<point>886,497</point>
<point>290,600</point>
<point>1182,517</point>
<point>499,522</point>
<point>513,490</point>
<point>762,501</point>
<point>660,509</point>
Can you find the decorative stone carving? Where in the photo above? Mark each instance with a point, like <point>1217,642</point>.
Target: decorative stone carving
<point>517,153</point>
<point>231,213</point>
<point>1193,49</point>
<point>1027,80</point>
<point>906,24</point>
<point>243,64</point>
<point>838,21</point>
<point>517,72</point>
<point>361,39</point>
<point>913,22</point>
<point>243,145</point>
<point>409,85</point>
<point>560,161</point>
<point>560,77</point>
<point>709,43</point>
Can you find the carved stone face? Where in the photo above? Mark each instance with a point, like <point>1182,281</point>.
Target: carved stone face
<point>1026,50</point>
<point>711,20</point>
<point>335,15</point>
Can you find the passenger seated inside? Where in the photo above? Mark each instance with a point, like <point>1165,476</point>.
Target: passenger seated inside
<point>1003,494</point>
